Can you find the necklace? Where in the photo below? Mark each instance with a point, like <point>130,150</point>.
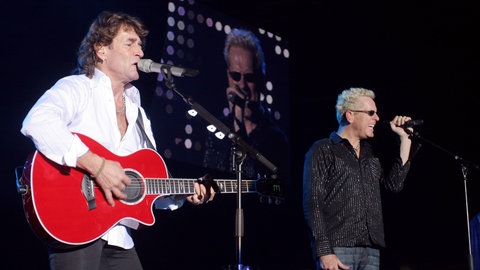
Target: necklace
<point>356,148</point>
<point>121,110</point>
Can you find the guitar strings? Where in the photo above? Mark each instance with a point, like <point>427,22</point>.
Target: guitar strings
<point>157,183</point>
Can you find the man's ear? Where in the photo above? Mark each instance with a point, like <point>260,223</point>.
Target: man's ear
<point>99,49</point>
<point>348,116</point>
<point>100,53</point>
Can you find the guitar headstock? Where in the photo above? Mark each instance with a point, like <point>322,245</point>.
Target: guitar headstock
<point>270,190</point>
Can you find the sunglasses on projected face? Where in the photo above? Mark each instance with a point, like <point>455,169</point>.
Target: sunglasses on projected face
<point>237,76</point>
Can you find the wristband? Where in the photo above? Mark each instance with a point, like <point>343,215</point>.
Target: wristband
<point>99,170</point>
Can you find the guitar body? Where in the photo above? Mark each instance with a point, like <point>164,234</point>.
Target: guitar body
<point>65,207</point>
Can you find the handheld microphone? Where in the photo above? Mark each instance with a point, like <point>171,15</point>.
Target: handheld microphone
<point>147,66</point>
<point>409,123</point>
<point>236,100</point>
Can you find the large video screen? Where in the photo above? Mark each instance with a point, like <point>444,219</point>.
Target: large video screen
<point>195,39</point>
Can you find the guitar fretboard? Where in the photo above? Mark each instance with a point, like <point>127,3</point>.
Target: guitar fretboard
<point>185,186</point>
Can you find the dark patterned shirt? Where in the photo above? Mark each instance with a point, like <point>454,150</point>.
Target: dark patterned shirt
<point>341,194</point>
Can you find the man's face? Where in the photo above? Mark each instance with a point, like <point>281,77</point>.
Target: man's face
<point>241,72</point>
<point>242,78</point>
<point>122,56</point>
<point>362,121</point>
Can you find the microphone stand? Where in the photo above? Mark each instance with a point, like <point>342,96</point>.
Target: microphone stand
<point>464,166</point>
<point>240,150</point>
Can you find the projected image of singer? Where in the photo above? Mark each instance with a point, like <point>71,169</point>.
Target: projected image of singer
<point>342,184</point>
<point>248,116</point>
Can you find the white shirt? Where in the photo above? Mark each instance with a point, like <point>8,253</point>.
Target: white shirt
<point>82,105</point>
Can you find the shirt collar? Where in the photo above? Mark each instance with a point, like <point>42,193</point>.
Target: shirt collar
<point>101,78</point>
<point>335,138</point>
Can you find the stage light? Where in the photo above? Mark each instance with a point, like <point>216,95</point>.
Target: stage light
<point>220,135</point>
<point>192,112</point>
<point>211,128</point>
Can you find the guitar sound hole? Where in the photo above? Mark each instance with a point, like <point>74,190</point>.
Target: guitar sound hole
<point>135,190</point>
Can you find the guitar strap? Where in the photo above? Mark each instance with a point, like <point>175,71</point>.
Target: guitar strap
<point>149,143</point>
<point>140,125</point>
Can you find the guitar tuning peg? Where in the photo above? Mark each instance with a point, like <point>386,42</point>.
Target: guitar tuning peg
<point>261,199</point>
<point>267,199</point>
<point>278,201</point>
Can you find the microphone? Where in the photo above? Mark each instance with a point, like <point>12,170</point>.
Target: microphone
<point>409,123</point>
<point>236,100</point>
<point>147,66</point>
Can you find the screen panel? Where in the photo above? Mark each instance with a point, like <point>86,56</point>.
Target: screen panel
<point>195,37</point>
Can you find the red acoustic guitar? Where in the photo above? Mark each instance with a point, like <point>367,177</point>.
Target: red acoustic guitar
<point>64,206</point>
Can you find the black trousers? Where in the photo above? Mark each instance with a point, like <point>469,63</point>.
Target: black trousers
<point>95,256</point>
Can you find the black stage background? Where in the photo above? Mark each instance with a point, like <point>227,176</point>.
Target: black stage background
<point>419,56</point>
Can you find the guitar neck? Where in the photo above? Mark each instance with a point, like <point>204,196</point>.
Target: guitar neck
<point>172,186</point>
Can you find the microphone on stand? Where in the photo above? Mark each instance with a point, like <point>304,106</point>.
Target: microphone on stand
<point>147,66</point>
<point>409,123</point>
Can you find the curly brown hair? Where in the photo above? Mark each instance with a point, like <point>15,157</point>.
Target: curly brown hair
<point>101,33</point>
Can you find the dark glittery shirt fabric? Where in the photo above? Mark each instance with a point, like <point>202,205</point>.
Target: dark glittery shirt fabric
<point>341,194</point>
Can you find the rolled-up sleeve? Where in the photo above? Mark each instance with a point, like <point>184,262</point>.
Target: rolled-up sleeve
<point>46,124</point>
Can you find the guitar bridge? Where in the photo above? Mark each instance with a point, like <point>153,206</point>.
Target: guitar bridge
<point>88,191</point>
